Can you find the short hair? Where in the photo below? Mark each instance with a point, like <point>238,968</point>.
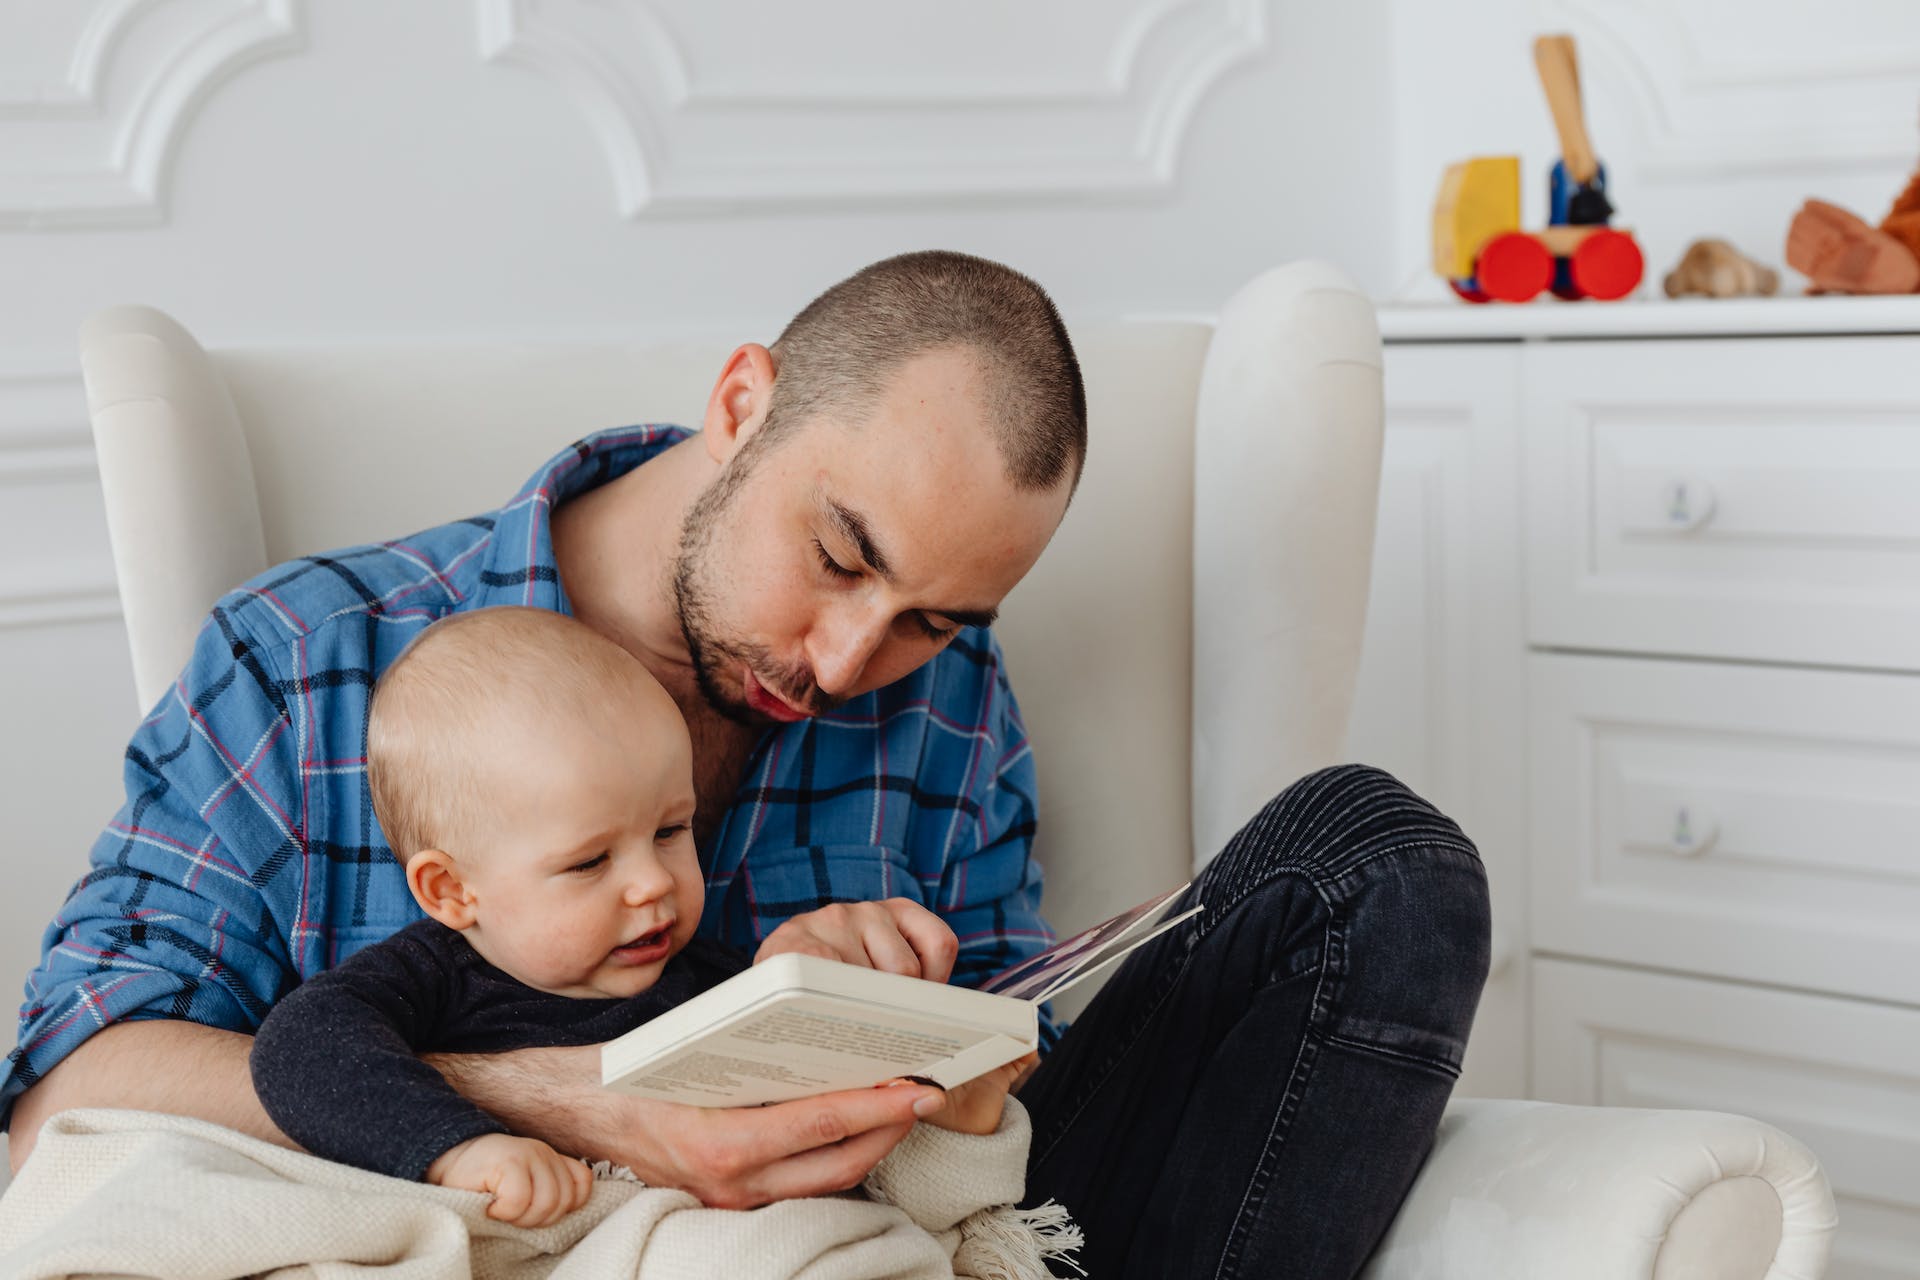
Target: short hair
<point>845,346</point>
<point>458,682</point>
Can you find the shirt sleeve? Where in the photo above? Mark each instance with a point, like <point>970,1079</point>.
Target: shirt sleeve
<point>170,921</point>
<point>335,1066</point>
<point>991,891</point>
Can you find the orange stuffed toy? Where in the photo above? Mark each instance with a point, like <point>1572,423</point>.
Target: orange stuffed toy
<point>1840,253</point>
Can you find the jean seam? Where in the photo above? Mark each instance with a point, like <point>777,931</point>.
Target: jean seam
<point>1317,1035</point>
<point>1106,1066</point>
<point>1440,1065</point>
<point>1463,856</point>
<point>1308,1057</point>
<point>1203,925</point>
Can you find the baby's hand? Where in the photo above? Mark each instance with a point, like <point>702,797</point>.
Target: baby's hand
<point>975,1107</point>
<point>532,1184</point>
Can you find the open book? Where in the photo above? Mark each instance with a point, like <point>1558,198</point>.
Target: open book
<point>797,1025</point>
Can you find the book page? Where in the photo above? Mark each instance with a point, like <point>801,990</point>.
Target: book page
<point>803,1045</point>
<point>1067,962</point>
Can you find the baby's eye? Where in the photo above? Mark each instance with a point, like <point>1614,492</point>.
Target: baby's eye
<point>674,832</point>
<point>590,864</point>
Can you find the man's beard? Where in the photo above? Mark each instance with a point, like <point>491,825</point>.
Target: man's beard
<point>694,596</point>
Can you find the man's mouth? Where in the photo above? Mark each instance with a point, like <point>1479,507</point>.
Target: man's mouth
<point>767,702</point>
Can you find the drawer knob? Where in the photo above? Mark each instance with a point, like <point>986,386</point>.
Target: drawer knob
<point>1693,833</point>
<point>1688,503</point>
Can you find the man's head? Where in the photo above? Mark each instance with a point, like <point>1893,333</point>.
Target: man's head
<point>537,784</point>
<point>839,356</point>
<point>888,471</point>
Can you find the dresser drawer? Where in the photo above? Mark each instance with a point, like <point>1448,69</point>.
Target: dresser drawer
<point>1842,1076</point>
<point>1749,822</point>
<point>1749,499</point>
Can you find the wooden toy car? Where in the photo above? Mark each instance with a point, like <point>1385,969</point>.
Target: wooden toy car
<point>1478,246</point>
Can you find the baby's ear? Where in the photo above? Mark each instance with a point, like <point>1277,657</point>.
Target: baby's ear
<point>435,880</point>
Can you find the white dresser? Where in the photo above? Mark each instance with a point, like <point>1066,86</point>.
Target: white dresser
<point>1646,619</point>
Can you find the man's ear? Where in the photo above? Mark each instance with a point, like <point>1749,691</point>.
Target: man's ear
<point>738,404</point>
<point>434,878</point>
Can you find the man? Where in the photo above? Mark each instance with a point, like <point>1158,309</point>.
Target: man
<point>811,577</point>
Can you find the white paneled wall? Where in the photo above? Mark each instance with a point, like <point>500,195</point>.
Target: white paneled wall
<point>488,167</point>
<point>283,171</point>
<point>1087,97</point>
<point>94,99</point>
<point>65,680</point>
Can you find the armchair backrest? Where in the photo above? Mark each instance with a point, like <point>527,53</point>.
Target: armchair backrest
<point>216,465</point>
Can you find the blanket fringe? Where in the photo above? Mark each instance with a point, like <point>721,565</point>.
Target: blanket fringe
<point>1006,1243</point>
<point>608,1171</point>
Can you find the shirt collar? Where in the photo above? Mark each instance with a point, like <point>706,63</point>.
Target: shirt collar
<point>520,566</point>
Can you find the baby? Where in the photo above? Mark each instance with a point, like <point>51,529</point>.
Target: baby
<point>537,784</point>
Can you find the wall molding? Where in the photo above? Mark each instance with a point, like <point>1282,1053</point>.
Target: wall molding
<point>57,609</point>
<point>1704,112</point>
<point>59,568</point>
<point>747,137</point>
<point>47,464</point>
<point>77,90</point>
<point>192,47</point>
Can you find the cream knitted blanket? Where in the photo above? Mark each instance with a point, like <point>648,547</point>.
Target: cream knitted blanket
<point>115,1193</point>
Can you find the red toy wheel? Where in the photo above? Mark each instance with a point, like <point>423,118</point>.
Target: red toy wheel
<point>1607,265</point>
<point>1471,295</point>
<point>1513,267</point>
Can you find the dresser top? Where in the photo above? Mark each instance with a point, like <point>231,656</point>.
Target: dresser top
<point>1451,321</point>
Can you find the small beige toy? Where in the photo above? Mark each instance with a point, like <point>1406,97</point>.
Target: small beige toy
<point>1715,269</point>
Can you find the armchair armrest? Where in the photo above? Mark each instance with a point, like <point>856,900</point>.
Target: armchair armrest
<point>1528,1189</point>
<point>182,514</point>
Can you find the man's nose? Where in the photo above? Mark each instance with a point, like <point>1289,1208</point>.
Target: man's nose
<point>842,643</point>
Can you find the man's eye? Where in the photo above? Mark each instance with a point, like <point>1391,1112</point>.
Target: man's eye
<point>590,864</point>
<point>832,566</point>
<point>933,630</point>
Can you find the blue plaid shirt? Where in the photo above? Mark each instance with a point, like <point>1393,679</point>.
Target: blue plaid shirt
<point>246,857</point>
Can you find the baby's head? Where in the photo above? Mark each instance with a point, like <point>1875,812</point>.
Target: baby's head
<point>537,784</point>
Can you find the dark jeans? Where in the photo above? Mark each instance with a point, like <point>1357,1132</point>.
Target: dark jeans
<point>1251,1095</point>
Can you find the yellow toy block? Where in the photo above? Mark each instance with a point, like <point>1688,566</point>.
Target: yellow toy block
<point>1479,199</point>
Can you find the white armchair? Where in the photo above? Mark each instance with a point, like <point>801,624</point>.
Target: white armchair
<point>1225,525</point>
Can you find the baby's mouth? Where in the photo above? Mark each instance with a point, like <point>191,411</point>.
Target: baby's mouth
<point>646,940</point>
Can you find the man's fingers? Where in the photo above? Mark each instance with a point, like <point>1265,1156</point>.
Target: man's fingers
<point>887,950</point>
<point>741,1159</point>
<point>809,1123</point>
<point>932,940</point>
<point>896,936</point>
<point>797,942</point>
<point>827,1169</point>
